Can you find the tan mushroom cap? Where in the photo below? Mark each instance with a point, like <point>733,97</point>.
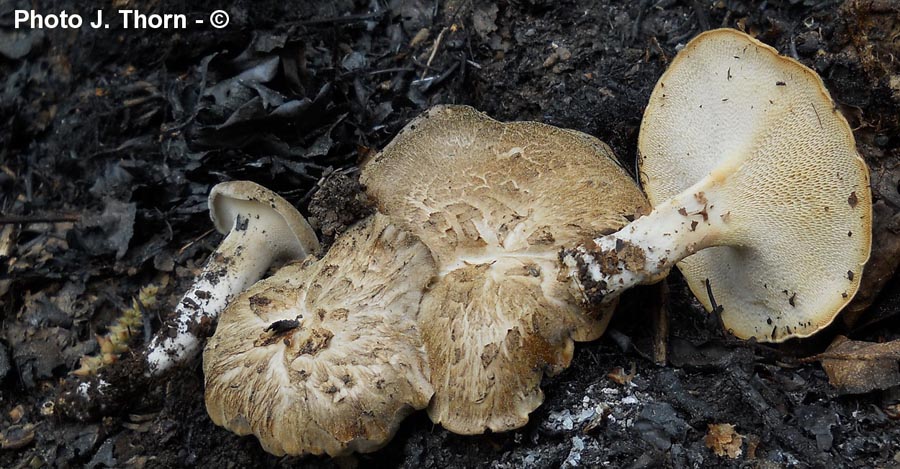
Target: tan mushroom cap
<point>325,356</point>
<point>228,199</point>
<point>495,203</point>
<point>732,104</point>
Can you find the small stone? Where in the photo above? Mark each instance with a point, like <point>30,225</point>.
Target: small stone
<point>16,413</point>
<point>354,61</point>
<point>551,60</point>
<point>577,443</point>
<point>48,408</point>
<point>660,425</point>
<point>585,415</point>
<point>629,400</point>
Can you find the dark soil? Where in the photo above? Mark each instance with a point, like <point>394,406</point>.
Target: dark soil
<point>111,140</point>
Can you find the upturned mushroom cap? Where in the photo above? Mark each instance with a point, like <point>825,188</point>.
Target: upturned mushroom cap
<point>290,234</point>
<point>495,202</point>
<point>797,191</point>
<point>261,228</point>
<point>325,356</point>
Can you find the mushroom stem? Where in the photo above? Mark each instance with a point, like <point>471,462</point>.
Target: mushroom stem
<point>645,250</point>
<point>241,259</point>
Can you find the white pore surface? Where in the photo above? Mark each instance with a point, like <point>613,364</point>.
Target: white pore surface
<point>796,192</point>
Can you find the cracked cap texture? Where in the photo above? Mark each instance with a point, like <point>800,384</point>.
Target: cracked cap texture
<point>495,202</point>
<point>325,356</point>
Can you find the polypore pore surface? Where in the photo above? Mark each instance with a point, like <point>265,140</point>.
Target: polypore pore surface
<point>495,203</point>
<point>793,189</point>
<point>325,356</point>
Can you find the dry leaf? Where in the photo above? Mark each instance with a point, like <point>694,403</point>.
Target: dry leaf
<point>618,375</point>
<point>723,440</point>
<point>855,367</point>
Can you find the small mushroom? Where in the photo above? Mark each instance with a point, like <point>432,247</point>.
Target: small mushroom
<point>261,228</point>
<point>495,202</point>
<point>759,193</point>
<point>325,355</point>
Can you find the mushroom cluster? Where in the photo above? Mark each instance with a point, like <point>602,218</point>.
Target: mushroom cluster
<point>495,202</point>
<point>458,294</point>
<point>451,296</point>
<point>758,191</point>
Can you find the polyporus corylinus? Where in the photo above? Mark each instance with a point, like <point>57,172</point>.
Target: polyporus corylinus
<point>325,356</point>
<point>495,202</point>
<point>261,228</point>
<point>757,189</point>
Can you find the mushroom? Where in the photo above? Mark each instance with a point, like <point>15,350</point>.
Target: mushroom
<point>759,193</point>
<point>325,355</point>
<point>261,228</point>
<point>495,202</point>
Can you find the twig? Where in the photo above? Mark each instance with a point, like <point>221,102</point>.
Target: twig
<point>726,19</point>
<point>730,340</point>
<point>29,219</point>
<point>378,72</point>
<point>141,100</point>
<point>846,356</point>
<point>660,317</point>
<point>701,15</point>
<point>636,26</point>
<point>191,243</point>
<point>436,80</point>
<point>655,43</point>
<point>793,48</point>
<point>391,70</point>
<point>716,308</point>
<point>338,19</point>
<point>434,49</point>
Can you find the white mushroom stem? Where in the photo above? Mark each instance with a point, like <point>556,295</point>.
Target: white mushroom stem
<point>242,259</point>
<point>645,250</point>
